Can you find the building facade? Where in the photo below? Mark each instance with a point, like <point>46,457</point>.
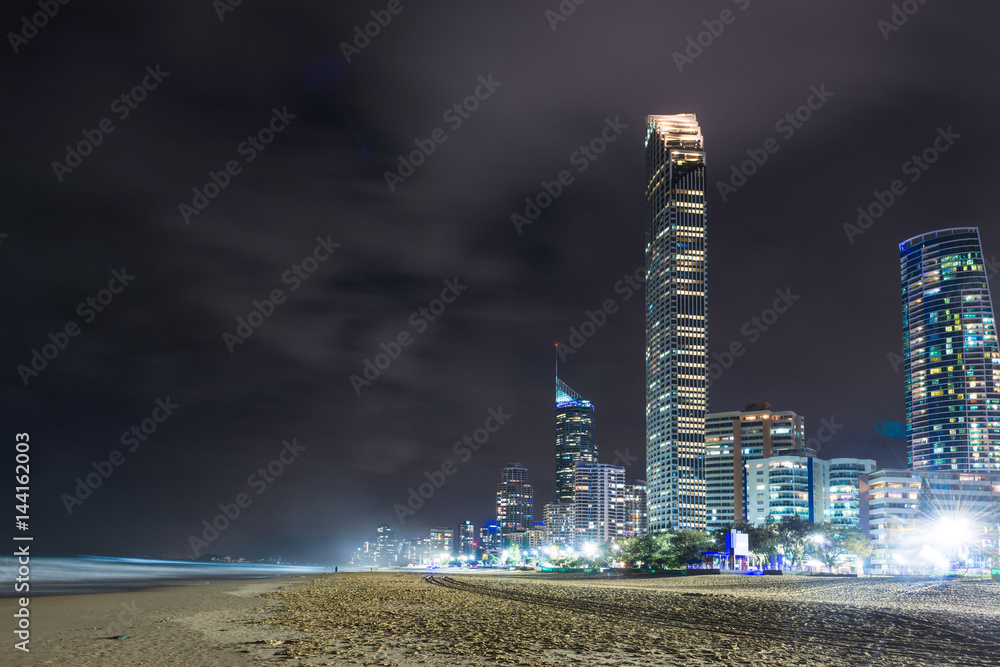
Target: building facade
<point>560,526</point>
<point>636,515</point>
<point>951,360</point>
<point>781,486</point>
<point>732,441</point>
<point>490,541</point>
<point>574,437</point>
<point>386,546</point>
<point>676,322</point>
<point>918,519</point>
<point>465,541</point>
<point>440,545</point>
<point>599,510</point>
<point>843,504</point>
<point>514,500</point>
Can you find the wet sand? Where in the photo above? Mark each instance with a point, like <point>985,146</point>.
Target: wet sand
<point>446,618</point>
<point>184,625</point>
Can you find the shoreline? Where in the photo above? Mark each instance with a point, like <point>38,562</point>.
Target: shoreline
<point>198,623</point>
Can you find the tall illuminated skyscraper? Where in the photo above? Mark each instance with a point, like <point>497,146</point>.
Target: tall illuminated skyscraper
<point>574,438</point>
<point>950,354</point>
<point>676,322</point>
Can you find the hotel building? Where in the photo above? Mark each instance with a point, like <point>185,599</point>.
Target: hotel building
<point>514,500</point>
<point>843,506</point>
<point>781,486</point>
<point>599,509</point>
<point>732,441</point>
<point>951,360</point>
<point>903,512</point>
<point>676,322</point>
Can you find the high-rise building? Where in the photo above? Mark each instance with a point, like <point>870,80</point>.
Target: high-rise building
<point>676,322</point>
<point>514,500</point>
<point>489,539</point>
<point>843,507</point>
<point>951,360</point>
<point>386,545</point>
<point>636,514</point>
<point>574,437</point>
<point>440,545</point>
<point>559,524</point>
<point>599,510</point>
<point>782,486</point>
<point>732,440</point>
<point>465,541</point>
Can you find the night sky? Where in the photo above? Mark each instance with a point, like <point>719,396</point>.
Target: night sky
<point>188,274</point>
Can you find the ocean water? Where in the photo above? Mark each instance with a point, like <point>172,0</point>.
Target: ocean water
<point>102,574</point>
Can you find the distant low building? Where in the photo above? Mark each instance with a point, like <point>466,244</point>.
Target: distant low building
<point>560,527</point>
<point>843,507</point>
<point>735,439</point>
<point>930,519</point>
<point>781,486</point>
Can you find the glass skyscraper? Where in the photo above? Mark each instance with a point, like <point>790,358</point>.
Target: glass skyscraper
<point>515,499</point>
<point>676,323</point>
<point>574,438</point>
<point>950,354</point>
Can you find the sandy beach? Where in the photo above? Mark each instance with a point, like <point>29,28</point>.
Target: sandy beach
<point>446,618</point>
<point>184,625</point>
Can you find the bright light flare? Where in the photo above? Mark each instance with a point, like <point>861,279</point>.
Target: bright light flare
<point>951,532</point>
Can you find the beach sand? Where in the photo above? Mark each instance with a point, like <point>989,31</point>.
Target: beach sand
<point>446,618</point>
<point>184,625</point>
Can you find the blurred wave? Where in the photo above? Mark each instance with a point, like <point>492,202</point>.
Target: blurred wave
<point>102,574</point>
